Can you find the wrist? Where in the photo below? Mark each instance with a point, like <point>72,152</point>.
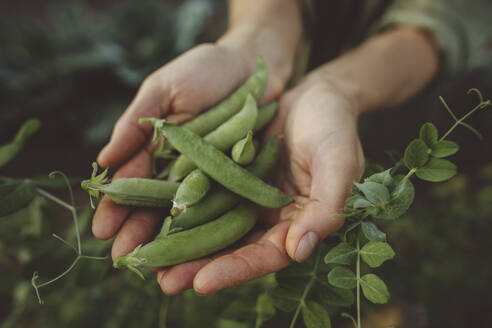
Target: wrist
<point>270,29</point>
<point>246,40</point>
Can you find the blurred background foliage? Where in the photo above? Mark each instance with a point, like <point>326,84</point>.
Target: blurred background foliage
<point>77,64</point>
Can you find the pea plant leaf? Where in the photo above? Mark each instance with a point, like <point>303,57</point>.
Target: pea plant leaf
<point>376,193</point>
<point>402,195</point>
<point>284,298</point>
<point>342,277</point>
<point>342,253</point>
<point>10,150</point>
<point>428,134</point>
<point>383,178</point>
<point>371,231</point>
<point>374,289</point>
<point>437,170</point>
<point>362,203</point>
<point>299,281</point>
<point>53,182</point>
<point>444,148</point>
<point>265,310</point>
<point>416,154</point>
<point>375,253</point>
<point>315,315</point>
<point>15,195</point>
<point>331,295</point>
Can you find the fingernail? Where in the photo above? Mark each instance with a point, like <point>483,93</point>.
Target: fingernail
<point>306,246</point>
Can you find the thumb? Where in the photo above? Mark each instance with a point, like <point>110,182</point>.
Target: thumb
<point>314,215</point>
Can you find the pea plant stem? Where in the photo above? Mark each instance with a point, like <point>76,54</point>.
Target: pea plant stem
<point>358,282</point>
<point>306,290</point>
<point>69,207</point>
<point>483,103</point>
<point>78,250</point>
<point>410,173</point>
<point>61,275</point>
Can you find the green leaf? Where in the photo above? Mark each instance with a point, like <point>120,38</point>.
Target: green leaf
<point>265,310</point>
<point>342,277</point>
<point>381,177</point>
<point>27,129</point>
<point>375,192</point>
<point>228,323</point>
<point>285,298</point>
<point>437,170</point>
<point>335,296</point>
<point>53,182</point>
<point>444,148</point>
<point>416,154</point>
<point>374,289</point>
<point>10,150</point>
<point>428,134</point>
<point>371,231</point>
<point>362,203</point>
<point>342,253</point>
<point>15,195</point>
<point>375,253</point>
<point>402,196</point>
<point>315,315</point>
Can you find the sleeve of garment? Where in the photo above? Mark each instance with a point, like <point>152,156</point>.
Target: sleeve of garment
<point>461,29</point>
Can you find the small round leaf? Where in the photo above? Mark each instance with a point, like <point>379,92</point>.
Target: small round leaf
<point>342,277</point>
<point>374,289</point>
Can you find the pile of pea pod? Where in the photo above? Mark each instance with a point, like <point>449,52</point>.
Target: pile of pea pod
<point>213,181</point>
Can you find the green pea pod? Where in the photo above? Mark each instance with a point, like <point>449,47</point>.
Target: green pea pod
<point>222,138</point>
<point>219,200</point>
<point>265,115</point>
<point>193,243</point>
<point>166,227</point>
<point>220,167</point>
<point>190,191</point>
<point>212,118</point>
<point>131,191</point>
<point>244,150</point>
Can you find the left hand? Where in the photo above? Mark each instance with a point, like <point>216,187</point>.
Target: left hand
<point>322,160</point>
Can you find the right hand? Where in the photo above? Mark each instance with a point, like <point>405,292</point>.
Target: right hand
<point>188,85</point>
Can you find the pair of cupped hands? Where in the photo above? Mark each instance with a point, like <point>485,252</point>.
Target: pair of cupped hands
<point>321,158</point>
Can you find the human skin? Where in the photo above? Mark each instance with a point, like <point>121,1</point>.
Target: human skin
<point>317,119</point>
<point>181,89</point>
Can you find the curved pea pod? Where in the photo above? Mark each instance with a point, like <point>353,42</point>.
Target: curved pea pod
<point>265,115</point>
<point>243,152</point>
<point>222,138</point>
<point>211,119</point>
<point>221,168</point>
<point>190,191</point>
<point>219,200</point>
<point>131,191</point>
<point>193,243</point>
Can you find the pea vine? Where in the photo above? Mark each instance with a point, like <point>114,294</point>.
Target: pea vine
<point>324,285</point>
<point>16,194</point>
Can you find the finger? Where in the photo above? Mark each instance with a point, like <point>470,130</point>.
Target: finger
<point>247,263</point>
<point>110,216</point>
<point>138,229</point>
<point>180,277</point>
<point>128,135</point>
<point>333,176</point>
